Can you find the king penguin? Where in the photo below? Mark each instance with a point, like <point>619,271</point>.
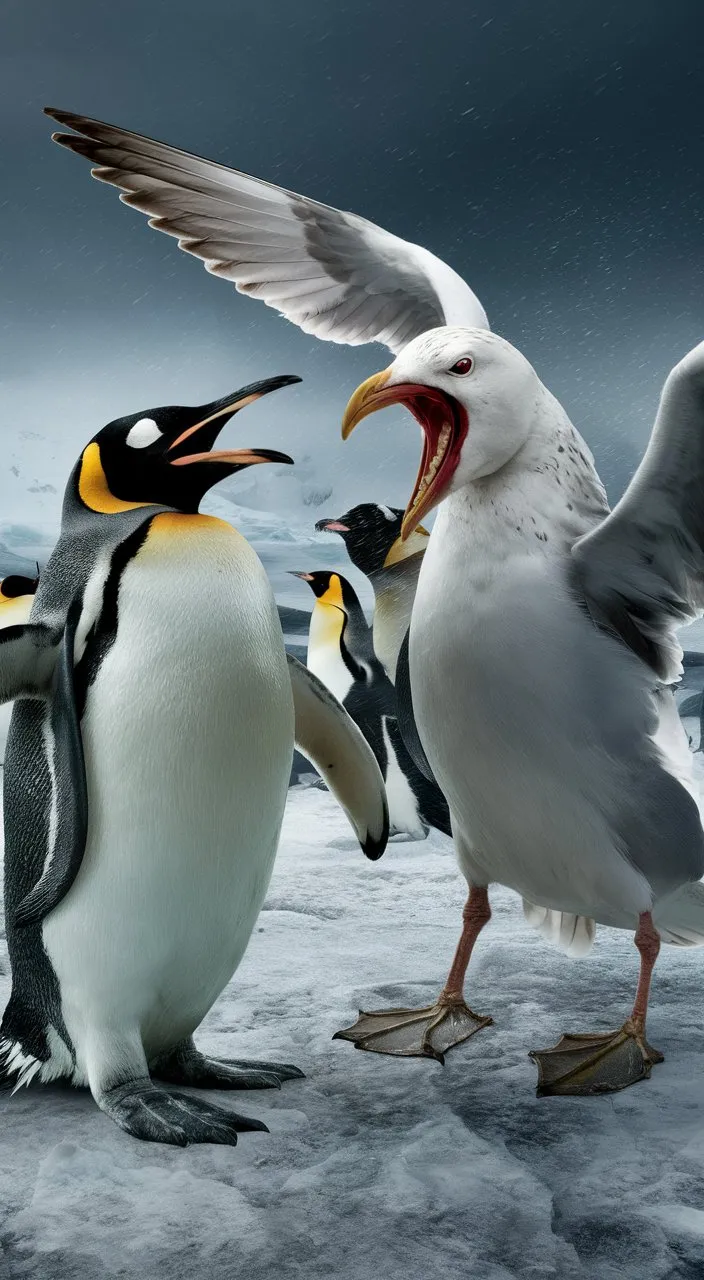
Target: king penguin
<point>341,653</point>
<point>16,600</point>
<point>371,533</point>
<point>146,775</point>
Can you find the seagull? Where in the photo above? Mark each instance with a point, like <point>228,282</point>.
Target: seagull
<point>576,790</point>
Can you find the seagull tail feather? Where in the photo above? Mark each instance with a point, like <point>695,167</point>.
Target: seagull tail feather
<point>572,934</point>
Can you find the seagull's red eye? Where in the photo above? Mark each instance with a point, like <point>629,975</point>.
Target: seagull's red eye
<point>463,366</point>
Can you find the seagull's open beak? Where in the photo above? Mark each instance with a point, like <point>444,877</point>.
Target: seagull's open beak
<point>444,422</point>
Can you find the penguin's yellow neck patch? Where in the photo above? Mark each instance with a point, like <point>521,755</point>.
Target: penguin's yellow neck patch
<point>14,610</point>
<point>181,522</point>
<point>333,595</point>
<point>413,546</point>
<point>93,488</point>
<point>326,624</point>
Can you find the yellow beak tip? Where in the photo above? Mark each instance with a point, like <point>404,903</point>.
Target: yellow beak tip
<point>361,403</point>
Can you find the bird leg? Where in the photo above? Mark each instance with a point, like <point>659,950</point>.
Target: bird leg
<point>430,1031</point>
<point>606,1061</point>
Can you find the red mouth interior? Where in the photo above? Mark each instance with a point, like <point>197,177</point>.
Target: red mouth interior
<point>433,410</point>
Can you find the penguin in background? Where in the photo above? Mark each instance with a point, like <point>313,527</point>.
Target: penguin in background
<point>17,594</point>
<point>341,654</point>
<point>146,776</point>
<point>16,599</point>
<point>371,533</point>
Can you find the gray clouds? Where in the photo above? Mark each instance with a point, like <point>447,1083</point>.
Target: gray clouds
<point>550,153</point>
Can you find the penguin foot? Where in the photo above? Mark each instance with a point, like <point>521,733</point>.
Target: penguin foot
<point>184,1064</point>
<point>148,1112</point>
<point>415,1033</point>
<point>601,1063</point>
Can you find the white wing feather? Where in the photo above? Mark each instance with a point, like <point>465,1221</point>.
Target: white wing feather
<point>333,274</point>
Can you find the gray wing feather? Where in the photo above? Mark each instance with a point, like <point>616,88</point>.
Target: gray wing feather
<point>642,570</point>
<point>334,274</point>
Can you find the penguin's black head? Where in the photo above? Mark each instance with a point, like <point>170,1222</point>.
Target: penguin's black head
<point>371,533</point>
<point>16,585</point>
<point>330,589</point>
<point>165,456</point>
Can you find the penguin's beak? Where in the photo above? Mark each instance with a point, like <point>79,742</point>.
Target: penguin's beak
<point>210,420</point>
<point>330,526</point>
<point>296,573</point>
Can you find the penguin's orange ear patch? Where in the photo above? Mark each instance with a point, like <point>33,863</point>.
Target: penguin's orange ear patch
<point>93,488</point>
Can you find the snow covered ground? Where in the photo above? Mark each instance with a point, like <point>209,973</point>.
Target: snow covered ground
<point>376,1166</point>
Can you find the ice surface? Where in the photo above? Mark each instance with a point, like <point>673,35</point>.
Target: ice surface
<point>375,1166</point>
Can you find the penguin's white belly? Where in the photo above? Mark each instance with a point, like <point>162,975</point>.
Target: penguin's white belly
<point>329,666</point>
<point>403,806</point>
<point>188,736</point>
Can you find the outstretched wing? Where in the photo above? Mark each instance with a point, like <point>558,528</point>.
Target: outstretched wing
<point>642,570</point>
<point>333,274</point>
<point>330,738</point>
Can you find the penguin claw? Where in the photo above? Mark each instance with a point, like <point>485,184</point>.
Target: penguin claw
<point>581,1065</point>
<point>186,1065</point>
<point>415,1033</point>
<point>284,1070</point>
<point>153,1114</point>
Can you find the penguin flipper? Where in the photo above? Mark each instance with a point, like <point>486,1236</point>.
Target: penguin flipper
<point>28,656</point>
<point>328,736</point>
<point>404,714</point>
<point>65,857</point>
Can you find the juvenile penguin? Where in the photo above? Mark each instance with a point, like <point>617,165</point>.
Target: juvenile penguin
<point>146,776</point>
<point>371,533</point>
<point>341,654</point>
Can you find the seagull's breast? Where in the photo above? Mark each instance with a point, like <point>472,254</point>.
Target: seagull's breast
<point>535,724</point>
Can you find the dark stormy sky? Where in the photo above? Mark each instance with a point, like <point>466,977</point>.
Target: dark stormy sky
<point>552,152</point>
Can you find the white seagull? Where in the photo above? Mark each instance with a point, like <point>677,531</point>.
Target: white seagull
<point>542,648</point>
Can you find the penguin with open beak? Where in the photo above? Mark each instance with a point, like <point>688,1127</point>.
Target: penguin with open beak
<point>146,776</point>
